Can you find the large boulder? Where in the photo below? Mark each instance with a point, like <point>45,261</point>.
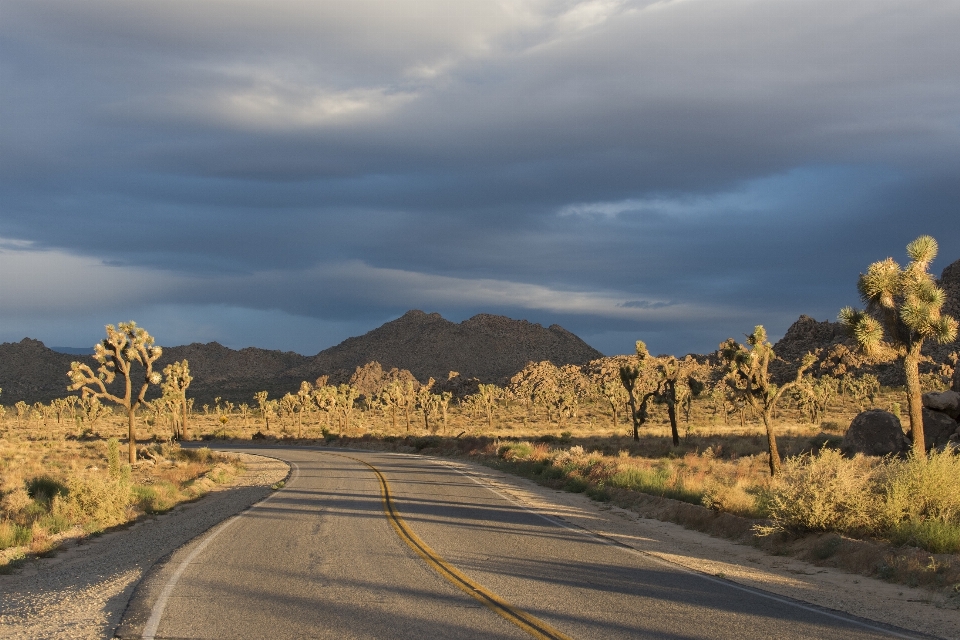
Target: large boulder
<point>875,433</point>
<point>937,428</point>
<point>947,402</point>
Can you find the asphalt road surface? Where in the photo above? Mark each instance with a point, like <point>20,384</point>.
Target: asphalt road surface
<point>443,556</point>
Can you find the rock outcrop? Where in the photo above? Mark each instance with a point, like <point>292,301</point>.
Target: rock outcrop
<point>875,433</point>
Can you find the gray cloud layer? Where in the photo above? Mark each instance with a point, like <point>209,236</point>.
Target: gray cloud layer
<point>287,174</point>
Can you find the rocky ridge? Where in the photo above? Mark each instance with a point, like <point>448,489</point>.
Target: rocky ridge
<point>486,347</point>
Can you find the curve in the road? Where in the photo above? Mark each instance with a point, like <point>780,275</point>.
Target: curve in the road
<point>535,627</point>
<point>319,559</point>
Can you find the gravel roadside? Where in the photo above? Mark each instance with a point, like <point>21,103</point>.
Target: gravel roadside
<point>83,591</point>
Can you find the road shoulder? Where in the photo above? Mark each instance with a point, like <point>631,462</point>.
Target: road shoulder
<point>83,591</point>
<point>868,598</point>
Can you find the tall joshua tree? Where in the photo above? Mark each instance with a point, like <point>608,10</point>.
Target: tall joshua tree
<point>748,379</point>
<point>124,345</point>
<point>630,376</point>
<point>176,381</point>
<point>902,310</point>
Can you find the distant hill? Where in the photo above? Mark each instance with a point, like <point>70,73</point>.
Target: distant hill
<point>488,347</point>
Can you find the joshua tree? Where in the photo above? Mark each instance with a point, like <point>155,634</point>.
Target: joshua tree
<point>426,402</point>
<point>748,378</point>
<point>346,399</point>
<point>676,386</point>
<point>629,377</point>
<point>92,410</point>
<point>124,345</point>
<point>304,402</point>
<point>264,404</point>
<point>176,381</point>
<point>22,408</point>
<point>442,403</point>
<point>488,395</point>
<point>902,310</point>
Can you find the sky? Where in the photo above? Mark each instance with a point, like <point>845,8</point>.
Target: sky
<point>287,174</point>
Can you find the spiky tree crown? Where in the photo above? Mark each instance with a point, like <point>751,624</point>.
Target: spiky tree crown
<point>125,344</point>
<point>903,305</point>
<point>177,378</point>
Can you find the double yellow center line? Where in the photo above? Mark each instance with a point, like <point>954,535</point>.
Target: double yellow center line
<point>535,627</point>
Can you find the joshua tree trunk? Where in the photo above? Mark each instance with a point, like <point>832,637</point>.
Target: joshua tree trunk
<point>183,421</point>
<point>911,365</point>
<point>670,396</point>
<point>771,443</point>
<point>131,439</point>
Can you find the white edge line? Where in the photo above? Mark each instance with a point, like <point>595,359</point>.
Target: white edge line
<point>156,613</point>
<point>656,558</point>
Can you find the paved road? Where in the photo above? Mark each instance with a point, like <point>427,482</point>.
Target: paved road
<point>323,558</point>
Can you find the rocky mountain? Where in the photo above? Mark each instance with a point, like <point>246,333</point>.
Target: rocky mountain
<point>490,348</point>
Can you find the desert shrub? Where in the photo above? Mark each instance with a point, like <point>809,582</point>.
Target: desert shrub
<point>155,498</point>
<point>731,498</point>
<point>914,501</point>
<point>54,523</point>
<point>202,455</point>
<point>821,492</point>
<point>15,503</point>
<point>921,488</point>
<point>14,535</point>
<point>933,535</point>
<point>94,502</point>
<point>44,488</point>
<point>516,451</point>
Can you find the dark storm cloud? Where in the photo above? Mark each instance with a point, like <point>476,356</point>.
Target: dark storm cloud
<point>681,170</point>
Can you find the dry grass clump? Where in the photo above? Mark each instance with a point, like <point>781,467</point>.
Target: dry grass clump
<point>695,478</point>
<point>912,501</point>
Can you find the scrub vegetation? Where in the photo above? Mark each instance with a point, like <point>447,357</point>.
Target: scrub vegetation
<point>56,485</point>
<point>722,431</point>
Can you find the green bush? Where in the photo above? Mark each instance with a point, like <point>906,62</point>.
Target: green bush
<point>516,451</point>
<point>933,535</point>
<point>921,488</point>
<point>659,481</point>
<point>94,502</point>
<point>155,498</point>
<point>14,535</point>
